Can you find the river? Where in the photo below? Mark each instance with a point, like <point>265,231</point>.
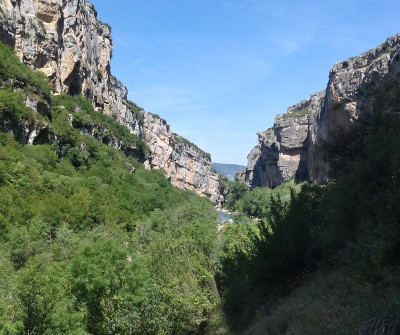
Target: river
<point>224,217</point>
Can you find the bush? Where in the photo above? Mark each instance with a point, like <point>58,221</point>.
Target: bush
<point>299,113</point>
<point>15,74</point>
<point>13,109</point>
<point>99,75</point>
<point>137,111</point>
<point>85,117</point>
<point>349,226</point>
<point>69,225</point>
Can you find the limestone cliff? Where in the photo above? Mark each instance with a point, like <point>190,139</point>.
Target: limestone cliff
<point>282,149</point>
<point>186,166</point>
<point>65,40</point>
<point>296,144</point>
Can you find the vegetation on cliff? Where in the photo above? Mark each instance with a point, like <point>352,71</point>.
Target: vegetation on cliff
<point>14,75</point>
<point>179,141</point>
<point>91,242</point>
<point>295,114</point>
<point>327,260</point>
<point>84,117</point>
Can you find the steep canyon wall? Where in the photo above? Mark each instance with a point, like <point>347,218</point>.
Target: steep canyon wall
<point>296,144</point>
<point>65,40</point>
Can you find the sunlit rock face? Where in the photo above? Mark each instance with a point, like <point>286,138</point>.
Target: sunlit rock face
<point>296,144</point>
<point>186,166</point>
<point>282,151</point>
<point>65,40</point>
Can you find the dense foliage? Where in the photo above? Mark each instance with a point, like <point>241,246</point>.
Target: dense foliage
<point>14,74</point>
<point>84,117</point>
<point>340,241</point>
<point>255,203</point>
<point>91,242</point>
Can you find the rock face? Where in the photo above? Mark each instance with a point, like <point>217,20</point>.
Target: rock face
<point>296,144</point>
<point>186,159</point>
<point>282,150</point>
<point>186,166</point>
<point>65,40</point>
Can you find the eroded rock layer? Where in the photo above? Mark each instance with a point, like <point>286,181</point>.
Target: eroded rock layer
<point>296,144</point>
<point>65,40</point>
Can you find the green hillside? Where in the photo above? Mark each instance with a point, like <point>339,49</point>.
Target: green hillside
<point>91,242</point>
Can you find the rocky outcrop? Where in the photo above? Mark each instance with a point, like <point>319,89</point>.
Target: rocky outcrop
<point>282,150</point>
<point>190,169</point>
<point>296,144</point>
<point>65,40</point>
<point>353,88</point>
<point>186,166</point>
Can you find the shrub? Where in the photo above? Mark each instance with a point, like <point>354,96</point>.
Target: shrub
<point>13,74</point>
<point>137,111</point>
<point>86,117</point>
<point>295,114</point>
<point>91,242</point>
<point>99,75</point>
<point>13,111</point>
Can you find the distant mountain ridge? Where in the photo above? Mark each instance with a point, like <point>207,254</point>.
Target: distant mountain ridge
<point>228,170</point>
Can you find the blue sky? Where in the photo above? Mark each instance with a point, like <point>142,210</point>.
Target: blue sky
<point>219,71</point>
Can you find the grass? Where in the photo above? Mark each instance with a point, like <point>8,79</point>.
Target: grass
<point>330,303</point>
<point>299,113</point>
